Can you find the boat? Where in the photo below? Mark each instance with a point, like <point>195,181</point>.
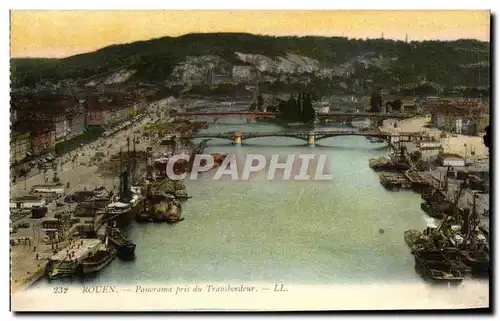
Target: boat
<point>182,195</point>
<point>436,266</point>
<point>416,239</point>
<point>129,202</point>
<point>472,242</point>
<point>381,163</point>
<point>98,260</point>
<point>158,211</point>
<point>375,139</point>
<point>143,218</point>
<point>67,261</point>
<point>479,261</point>
<point>136,204</point>
<point>455,257</point>
<point>431,210</point>
<point>430,241</point>
<point>62,269</point>
<point>119,214</point>
<point>167,211</point>
<point>174,212</point>
<point>393,181</point>
<point>125,248</point>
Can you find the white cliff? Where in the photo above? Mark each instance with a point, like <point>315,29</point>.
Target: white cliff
<point>290,63</point>
<point>118,77</point>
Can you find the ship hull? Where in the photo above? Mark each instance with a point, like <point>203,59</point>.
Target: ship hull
<point>479,266</point>
<point>173,220</point>
<point>411,236</point>
<point>436,269</point>
<point>432,213</point>
<point>123,251</point>
<point>66,269</point>
<point>122,219</point>
<point>143,218</point>
<point>88,268</point>
<point>126,218</point>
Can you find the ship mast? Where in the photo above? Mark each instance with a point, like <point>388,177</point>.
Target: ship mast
<point>134,162</point>
<point>120,192</point>
<point>471,223</point>
<point>127,173</point>
<point>457,199</point>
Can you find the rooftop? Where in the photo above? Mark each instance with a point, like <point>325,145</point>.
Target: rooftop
<point>450,155</point>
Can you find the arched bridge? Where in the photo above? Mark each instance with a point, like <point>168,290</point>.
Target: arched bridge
<point>310,137</point>
<point>336,115</point>
<point>217,114</point>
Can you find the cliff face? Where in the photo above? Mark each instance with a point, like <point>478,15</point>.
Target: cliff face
<point>196,69</point>
<point>290,63</point>
<point>207,69</point>
<point>117,77</point>
<point>238,56</point>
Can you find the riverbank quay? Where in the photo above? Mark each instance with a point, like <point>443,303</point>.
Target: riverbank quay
<point>457,167</point>
<point>453,144</point>
<point>28,260</point>
<point>80,171</point>
<point>466,199</point>
<point>29,251</point>
<point>452,175</point>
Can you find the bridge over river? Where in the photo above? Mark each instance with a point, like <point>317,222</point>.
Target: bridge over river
<point>348,117</point>
<point>309,136</point>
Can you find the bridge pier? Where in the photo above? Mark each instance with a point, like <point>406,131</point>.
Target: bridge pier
<point>237,140</point>
<point>311,139</point>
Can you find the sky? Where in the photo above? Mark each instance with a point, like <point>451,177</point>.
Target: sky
<point>57,34</point>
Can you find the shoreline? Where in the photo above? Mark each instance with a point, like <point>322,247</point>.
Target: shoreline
<point>30,281</point>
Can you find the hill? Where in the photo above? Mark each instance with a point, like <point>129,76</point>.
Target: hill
<point>281,59</point>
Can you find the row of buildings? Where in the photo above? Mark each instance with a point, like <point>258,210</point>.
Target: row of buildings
<point>460,116</point>
<point>40,121</point>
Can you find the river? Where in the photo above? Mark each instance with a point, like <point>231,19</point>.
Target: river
<point>290,232</point>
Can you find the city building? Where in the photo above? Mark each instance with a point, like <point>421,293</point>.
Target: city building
<point>106,110</point>
<point>76,120</point>
<point>61,126</point>
<point>482,121</point>
<point>27,202</point>
<point>20,147</point>
<point>457,116</point>
<point>47,108</point>
<point>452,160</point>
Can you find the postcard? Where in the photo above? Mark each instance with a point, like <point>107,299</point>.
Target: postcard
<point>249,160</point>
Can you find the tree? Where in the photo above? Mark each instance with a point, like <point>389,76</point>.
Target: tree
<point>310,112</point>
<point>487,137</point>
<point>282,107</point>
<point>260,103</point>
<point>375,102</point>
<point>397,104</point>
<point>291,109</point>
<point>300,104</point>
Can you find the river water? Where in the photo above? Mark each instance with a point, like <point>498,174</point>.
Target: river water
<point>302,232</point>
